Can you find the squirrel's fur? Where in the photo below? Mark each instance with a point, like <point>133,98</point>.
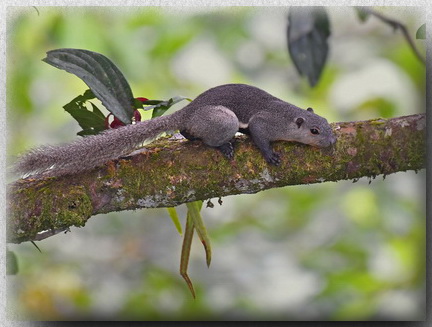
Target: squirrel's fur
<point>213,117</point>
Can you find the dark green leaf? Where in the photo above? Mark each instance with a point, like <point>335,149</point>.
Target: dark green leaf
<point>87,119</point>
<point>96,111</point>
<point>35,245</point>
<point>92,122</point>
<point>11,263</point>
<point>104,78</point>
<point>87,95</point>
<point>153,103</point>
<point>80,99</point>
<point>89,131</point>
<point>362,14</point>
<point>421,32</point>
<point>160,107</point>
<point>138,104</point>
<point>159,111</point>
<point>307,33</point>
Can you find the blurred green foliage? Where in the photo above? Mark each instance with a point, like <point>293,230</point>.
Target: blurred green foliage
<point>339,251</point>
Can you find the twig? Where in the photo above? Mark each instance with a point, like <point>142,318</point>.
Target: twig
<point>396,25</point>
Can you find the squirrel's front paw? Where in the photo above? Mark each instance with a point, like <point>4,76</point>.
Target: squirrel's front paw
<point>273,158</point>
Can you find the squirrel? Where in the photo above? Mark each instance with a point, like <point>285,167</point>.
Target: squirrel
<point>214,117</point>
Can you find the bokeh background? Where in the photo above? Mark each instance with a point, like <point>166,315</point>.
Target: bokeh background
<point>333,251</point>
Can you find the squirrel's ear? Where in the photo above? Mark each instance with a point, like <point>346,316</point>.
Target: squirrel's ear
<point>299,121</point>
<point>310,109</point>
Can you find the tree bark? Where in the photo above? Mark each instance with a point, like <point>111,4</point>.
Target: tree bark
<point>168,173</point>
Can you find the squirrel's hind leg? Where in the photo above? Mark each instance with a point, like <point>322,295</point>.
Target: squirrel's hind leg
<point>216,126</point>
<point>227,149</point>
<point>189,136</point>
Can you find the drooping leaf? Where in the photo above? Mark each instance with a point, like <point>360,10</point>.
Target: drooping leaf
<point>11,263</point>
<point>91,121</point>
<point>193,222</point>
<point>185,252</point>
<point>37,247</point>
<point>307,34</point>
<point>174,217</point>
<point>421,32</point>
<point>103,77</point>
<point>194,209</point>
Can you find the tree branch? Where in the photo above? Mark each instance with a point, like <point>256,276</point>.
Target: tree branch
<point>171,172</point>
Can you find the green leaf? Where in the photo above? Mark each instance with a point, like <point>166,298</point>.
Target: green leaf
<point>173,214</point>
<point>307,34</point>
<point>88,131</point>
<point>11,263</point>
<point>152,103</point>
<point>194,209</point>
<point>421,32</point>
<point>160,106</point>
<point>138,104</point>
<point>362,14</point>
<point>96,111</point>
<point>91,121</point>
<point>104,78</point>
<point>193,222</point>
<point>159,111</point>
<point>185,252</point>
<point>87,95</point>
<point>35,245</point>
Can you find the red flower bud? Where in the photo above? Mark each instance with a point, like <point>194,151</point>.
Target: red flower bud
<point>116,123</point>
<point>137,114</point>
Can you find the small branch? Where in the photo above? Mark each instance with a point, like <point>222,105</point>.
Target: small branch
<point>396,25</point>
<point>171,172</point>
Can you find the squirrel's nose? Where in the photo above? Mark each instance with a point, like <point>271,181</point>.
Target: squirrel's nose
<point>331,140</point>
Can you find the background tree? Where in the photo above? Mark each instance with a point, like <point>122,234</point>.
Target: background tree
<point>330,251</point>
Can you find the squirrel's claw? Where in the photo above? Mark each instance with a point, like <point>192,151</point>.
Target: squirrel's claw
<point>273,158</point>
<point>227,149</point>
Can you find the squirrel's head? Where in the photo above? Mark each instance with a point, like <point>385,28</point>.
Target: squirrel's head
<point>314,130</point>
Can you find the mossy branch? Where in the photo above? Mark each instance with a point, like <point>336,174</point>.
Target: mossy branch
<point>168,173</point>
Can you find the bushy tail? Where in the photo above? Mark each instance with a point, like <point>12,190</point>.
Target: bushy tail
<point>89,152</point>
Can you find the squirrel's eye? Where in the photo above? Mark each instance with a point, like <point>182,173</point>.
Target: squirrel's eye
<point>314,131</point>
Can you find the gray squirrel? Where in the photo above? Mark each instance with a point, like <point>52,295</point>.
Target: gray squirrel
<point>214,117</point>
